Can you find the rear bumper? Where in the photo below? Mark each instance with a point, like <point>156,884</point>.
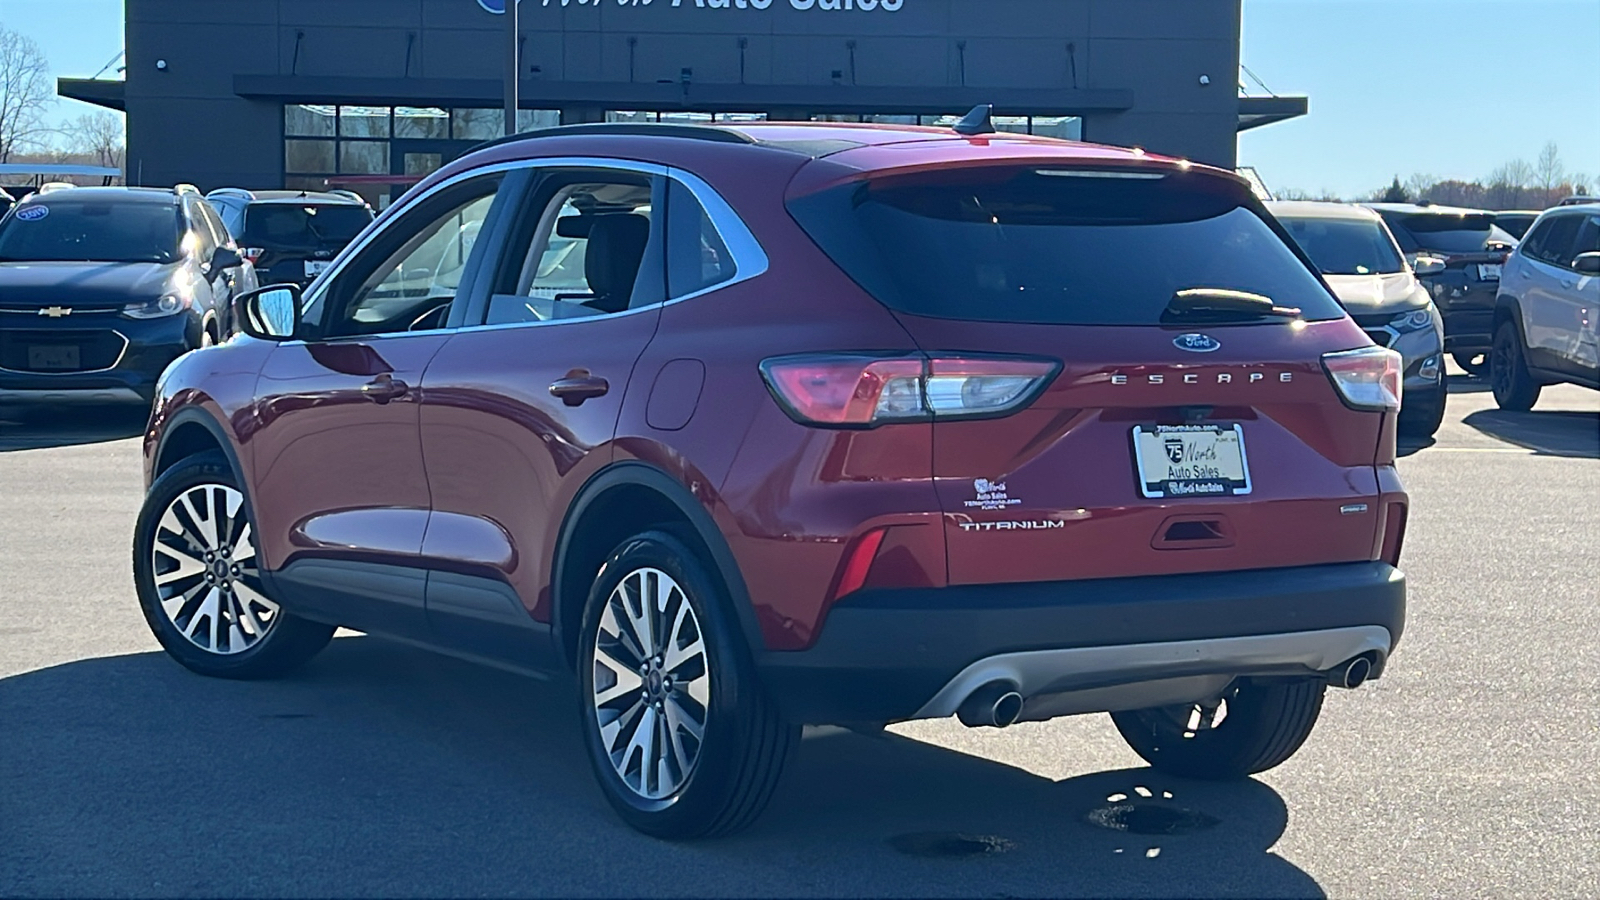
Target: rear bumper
<point>902,654</point>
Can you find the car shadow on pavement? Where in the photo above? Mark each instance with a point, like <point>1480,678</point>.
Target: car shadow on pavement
<point>1548,433</point>
<point>1466,384</point>
<point>380,770</point>
<point>35,428</point>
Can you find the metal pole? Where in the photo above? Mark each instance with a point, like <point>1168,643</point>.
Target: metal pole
<point>513,66</point>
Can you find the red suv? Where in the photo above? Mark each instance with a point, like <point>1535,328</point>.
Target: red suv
<point>762,425</point>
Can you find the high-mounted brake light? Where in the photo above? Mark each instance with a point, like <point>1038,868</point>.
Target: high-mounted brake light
<point>861,391</point>
<point>1367,377</point>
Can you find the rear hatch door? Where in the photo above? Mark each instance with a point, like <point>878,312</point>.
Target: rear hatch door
<point>1172,438</point>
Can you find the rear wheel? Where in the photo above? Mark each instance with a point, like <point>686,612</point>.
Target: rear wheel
<point>197,576</point>
<point>1422,412</point>
<point>682,738</point>
<point>1514,386</point>
<point>1475,363</point>
<point>1252,727</point>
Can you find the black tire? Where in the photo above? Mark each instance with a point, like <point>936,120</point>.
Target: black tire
<point>1476,363</point>
<point>272,644</point>
<point>1514,386</point>
<point>746,742</point>
<point>1422,413</point>
<point>1265,723</point>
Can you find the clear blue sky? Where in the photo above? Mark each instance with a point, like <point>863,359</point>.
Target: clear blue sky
<point>1451,88</point>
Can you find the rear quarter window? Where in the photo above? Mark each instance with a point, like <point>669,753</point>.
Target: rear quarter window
<point>1055,246</point>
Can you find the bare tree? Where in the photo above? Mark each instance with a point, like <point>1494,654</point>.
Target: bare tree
<point>1419,184</point>
<point>1508,185</point>
<point>97,135</point>
<point>25,92</point>
<point>1549,173</point>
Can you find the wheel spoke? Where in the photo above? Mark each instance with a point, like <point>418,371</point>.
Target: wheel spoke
<point>223,613</point>
<point>627,680</point>
<point>244,548</point>
<point>188,565</point>
<point>249,598</point>
<point>198,533</point>
<point>209,612</point>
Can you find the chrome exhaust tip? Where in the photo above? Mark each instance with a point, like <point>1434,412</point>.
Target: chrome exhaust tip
<point>994,705</point>
<point>1352,674</point>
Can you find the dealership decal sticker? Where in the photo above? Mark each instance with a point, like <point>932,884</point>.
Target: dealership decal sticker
<point>33,213</point>
<point>991,495</point>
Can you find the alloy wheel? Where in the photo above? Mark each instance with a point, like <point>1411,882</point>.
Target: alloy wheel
<point>652,683</point>
<point>1501,361</point>
<point>206,576</point>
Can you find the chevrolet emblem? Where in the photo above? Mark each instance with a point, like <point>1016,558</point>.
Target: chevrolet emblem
<point>56,312</point>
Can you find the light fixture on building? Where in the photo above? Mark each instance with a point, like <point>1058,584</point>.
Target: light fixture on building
<point>1205,79</point>
<point>161,65</point>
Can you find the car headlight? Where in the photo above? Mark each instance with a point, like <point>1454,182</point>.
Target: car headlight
<point>1415,320</point>
<point>165,305</point>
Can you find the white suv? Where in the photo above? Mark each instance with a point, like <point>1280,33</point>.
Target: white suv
<point>1546,309</point>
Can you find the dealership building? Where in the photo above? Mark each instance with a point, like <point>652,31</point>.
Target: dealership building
<point>372,94</point>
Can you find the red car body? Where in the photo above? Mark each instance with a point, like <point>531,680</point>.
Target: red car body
<point>430,485</point>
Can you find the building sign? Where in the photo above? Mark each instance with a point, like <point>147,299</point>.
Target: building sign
<point>498,7</point>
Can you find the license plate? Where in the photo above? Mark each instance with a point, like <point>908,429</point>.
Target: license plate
<point>1489,272</point>
<point>48,356</point>
<point>1191,460</point>
<point>315,267</point>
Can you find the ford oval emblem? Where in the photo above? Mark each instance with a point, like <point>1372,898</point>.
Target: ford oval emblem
<point>498,7</point>
<point>1197,343</point>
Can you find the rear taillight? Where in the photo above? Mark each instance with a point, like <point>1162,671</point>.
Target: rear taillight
<point>1367,377</point>
<point>861,391</point>
<point>252,253</point>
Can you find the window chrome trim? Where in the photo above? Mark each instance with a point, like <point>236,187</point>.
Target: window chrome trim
<point>749,259</point>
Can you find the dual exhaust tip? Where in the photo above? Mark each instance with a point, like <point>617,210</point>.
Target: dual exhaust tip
<point>995,705</point>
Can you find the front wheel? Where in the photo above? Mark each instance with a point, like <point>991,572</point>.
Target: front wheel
<point>199,582</point>
<point>1514,386</point>
<point>682,738</point>
<point>1422,414</point>
<point>1252,727</point>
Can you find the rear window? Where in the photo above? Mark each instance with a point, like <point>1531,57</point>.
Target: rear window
<point>1346,246</point>
<point>1447,233</point>
<point>1055,246</point>
<point>302,226</point>
<point>92,232</point>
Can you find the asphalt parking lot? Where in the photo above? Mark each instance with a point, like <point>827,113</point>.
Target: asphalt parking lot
<point>1471,769</point>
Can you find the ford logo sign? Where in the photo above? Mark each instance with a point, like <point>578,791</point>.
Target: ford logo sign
<point>498,7</point>
<point>1197,343</point>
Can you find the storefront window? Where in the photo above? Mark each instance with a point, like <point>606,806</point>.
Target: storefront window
<point>1068,127</point>
<point>309,121</point>
<point>364,121</point>
<point>364,158</point>
<point>421,123</point>
<point>477,124</point>
<point>535,119</point>
<point>308,157</point>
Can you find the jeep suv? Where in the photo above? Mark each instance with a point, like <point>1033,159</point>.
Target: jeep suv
<point>291,236</point>
<point>759,425</point>
<point>1545,313</point>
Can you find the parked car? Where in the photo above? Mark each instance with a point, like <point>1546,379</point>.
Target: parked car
<point>1362,263</point>
<point>829,432</point>
<point>102,287</point>
<point>1546,310</point>
<point>1516,222</point>
<point>1473,249</point>
<point>291,236</point>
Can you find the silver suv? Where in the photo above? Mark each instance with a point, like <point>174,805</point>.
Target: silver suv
<point>1546,309</point>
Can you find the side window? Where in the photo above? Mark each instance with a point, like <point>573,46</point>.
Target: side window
<point>589,247</point>
<point>204,241</point>
<point>697,256</point>
<point>1533,244</point>
<point>219,231</point>
<point>410,275</point>
<point>1557,246</point>
<point>1588,238</point>
<point>232,219</point>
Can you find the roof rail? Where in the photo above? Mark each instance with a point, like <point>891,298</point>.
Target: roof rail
<point>181,189</point>
<point>631,129</point>
<point>52,186</point>
<point>232,192</point>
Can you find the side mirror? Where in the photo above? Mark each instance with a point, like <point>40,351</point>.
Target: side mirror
<point>226,258</point>
<point>1587,263</point>
<point>1428,265</point>
<point>271,313</point>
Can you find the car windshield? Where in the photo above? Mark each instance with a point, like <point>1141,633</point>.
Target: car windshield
<point>1346,246</point>
<point>1055,246</point>
<point>1450,233</point>
<point>302,226</point>
<point>91,232</point>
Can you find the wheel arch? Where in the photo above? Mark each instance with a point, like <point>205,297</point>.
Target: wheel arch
<point>619,501</point>
<point>1508,309</point>
<point>190,432</point>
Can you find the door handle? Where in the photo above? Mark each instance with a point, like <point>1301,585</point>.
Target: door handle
<point>1569,285</point>
<point>579,386</point>
<point>384,388</point>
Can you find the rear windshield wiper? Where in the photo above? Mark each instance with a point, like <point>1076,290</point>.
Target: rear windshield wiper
<point>1218,304</point>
